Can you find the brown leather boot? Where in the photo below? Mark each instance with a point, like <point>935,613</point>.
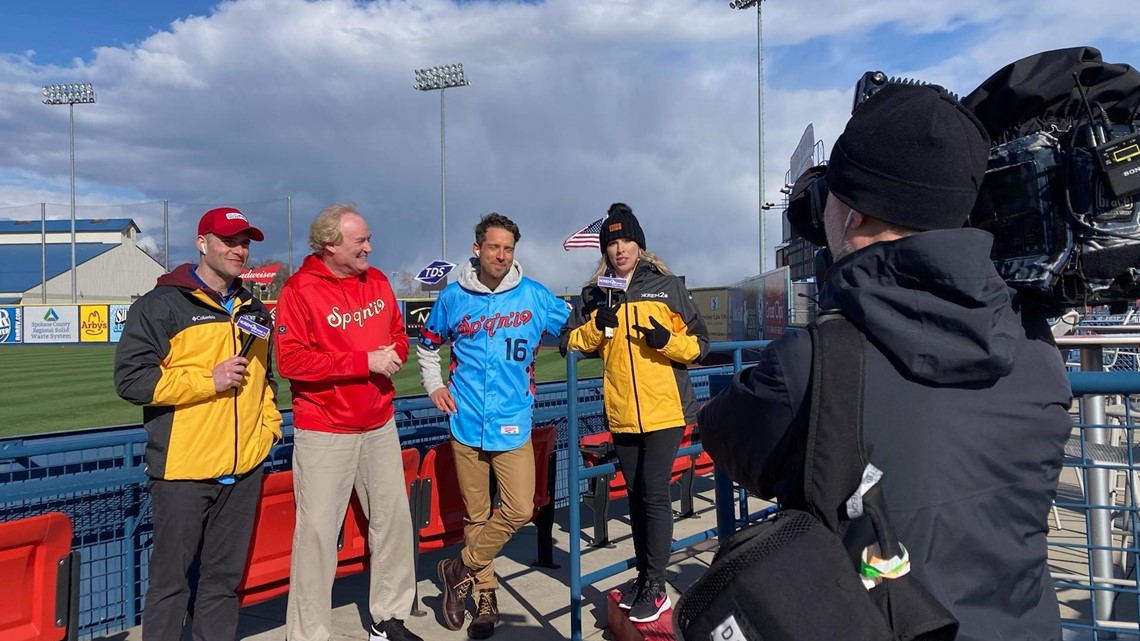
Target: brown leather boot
<point>486,615</point>
<point>456,579</point>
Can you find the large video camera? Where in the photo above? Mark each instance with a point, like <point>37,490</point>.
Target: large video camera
<point>1061,195</point>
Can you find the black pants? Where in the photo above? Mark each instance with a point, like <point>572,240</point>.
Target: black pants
<point>216,518</point>
<point>647,462</point>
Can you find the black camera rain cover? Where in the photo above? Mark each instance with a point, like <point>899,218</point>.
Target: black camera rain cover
<point>1035,92</point>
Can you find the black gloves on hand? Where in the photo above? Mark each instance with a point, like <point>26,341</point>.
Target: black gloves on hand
<point>655,338</point>
<point>605,317</point>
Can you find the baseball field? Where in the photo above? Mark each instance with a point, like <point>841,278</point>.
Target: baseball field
<point>60,388</point>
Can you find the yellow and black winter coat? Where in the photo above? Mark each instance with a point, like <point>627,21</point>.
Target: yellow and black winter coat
<point>645,389</point>
<point>173,338</point>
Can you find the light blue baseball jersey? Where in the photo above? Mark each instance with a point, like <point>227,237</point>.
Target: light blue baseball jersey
<point>494,339</point>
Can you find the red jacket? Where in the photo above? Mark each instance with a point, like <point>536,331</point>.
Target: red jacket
<point>325,328</point>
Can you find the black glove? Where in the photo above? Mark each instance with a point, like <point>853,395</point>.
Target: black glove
<point>655,338</point>
<point>605,317</point>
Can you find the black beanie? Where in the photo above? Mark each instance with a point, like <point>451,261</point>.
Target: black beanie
<point>620,223</point>
<point>911,155</point>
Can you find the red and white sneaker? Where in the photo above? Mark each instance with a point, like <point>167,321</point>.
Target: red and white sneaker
<point>650,603</point>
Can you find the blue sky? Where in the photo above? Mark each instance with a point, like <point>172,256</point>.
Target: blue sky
<point>574,104</point>
<point>61,30</point>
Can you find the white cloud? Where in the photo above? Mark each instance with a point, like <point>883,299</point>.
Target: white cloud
<point>574,104</point>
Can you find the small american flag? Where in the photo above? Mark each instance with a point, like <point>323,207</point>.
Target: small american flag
<point>584,237</point>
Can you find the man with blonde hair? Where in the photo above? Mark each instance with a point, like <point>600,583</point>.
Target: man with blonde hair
<point>340,338</point>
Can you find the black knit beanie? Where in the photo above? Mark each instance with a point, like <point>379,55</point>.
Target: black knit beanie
<point>620,223</point>
<point>911,155</point>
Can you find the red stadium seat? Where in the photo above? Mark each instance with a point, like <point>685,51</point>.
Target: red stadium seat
<point>441,513</point>
<point>267,566</point>
<point>598,449</point>
<point>40,579</point>
<point>352,556</point>
<point>702,464</point>
<point>544,440</point>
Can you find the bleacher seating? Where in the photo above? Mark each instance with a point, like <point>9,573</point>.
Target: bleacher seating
<point>267,566</point>
<point>598,449</point>
<point>441,511</point>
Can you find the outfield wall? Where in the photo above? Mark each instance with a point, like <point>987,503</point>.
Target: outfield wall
<point>103,323</point>
<point>724,309</point>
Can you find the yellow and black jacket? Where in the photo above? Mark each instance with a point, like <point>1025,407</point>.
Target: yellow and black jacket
<point>173,338</point>
<point>644,389</point>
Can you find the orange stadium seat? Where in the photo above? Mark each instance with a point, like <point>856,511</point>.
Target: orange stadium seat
<point>598,449</point>
<point>267,566</point>
<point>40,586</point>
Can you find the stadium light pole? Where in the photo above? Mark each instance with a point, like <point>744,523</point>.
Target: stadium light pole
<point>430,79</point>
<point>744,5</point>
<point>71,95</point>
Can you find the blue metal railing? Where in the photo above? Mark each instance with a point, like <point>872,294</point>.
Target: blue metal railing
<point>95,476</point>
<point>1090,387</point>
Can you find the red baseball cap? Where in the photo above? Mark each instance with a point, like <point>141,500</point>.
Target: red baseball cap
<point>227,221</point>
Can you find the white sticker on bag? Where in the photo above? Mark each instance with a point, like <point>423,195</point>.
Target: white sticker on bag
<point>728,630</point>
<point>871,476</point>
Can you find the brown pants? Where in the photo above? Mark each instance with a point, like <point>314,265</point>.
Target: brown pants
<point>486,534</point>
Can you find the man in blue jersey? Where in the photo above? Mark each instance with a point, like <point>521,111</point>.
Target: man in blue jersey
<point>494,318</point>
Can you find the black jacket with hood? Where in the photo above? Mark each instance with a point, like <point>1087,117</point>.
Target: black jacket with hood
<point>965,411</point>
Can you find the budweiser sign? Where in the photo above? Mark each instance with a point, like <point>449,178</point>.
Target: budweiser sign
<point>263,275</point>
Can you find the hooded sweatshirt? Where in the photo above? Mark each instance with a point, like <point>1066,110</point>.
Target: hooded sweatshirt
<point>494,339</point>
<point>326,326</point>
<point>965,411</point>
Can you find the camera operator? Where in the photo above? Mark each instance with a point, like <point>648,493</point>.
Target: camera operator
<point>966,397</point>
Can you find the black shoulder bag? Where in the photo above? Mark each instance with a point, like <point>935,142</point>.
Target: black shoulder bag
<point>789,577</point>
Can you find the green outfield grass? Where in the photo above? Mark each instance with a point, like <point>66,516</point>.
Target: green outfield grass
<point>59,388</point>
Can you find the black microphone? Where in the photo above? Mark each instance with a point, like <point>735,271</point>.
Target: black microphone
<point>609,292</point>
<point>611,282</point>
<point>255,323</point>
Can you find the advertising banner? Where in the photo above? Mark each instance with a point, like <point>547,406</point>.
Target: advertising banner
<point>261,275</point>
<point>11,324</point>
<point>416,316</point>
<point>713,304</point>
<point>94,325</point>
<point>761,305</point>
<point>775,303</point>
<point>118,316</point>
<point>51,324</point>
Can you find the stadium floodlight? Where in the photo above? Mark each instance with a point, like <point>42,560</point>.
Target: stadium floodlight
<point>748,4</point>
<point>441,78</point>
<point>71,95</point>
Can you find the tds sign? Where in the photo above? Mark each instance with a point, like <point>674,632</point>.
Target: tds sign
<point>435,272</point>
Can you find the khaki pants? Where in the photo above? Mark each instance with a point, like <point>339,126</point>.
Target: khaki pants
<point>486,534</point>
<point>326,467</point>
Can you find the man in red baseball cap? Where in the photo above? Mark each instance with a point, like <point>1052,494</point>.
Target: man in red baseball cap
<point>227,221</point>
<point>195,354</point>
